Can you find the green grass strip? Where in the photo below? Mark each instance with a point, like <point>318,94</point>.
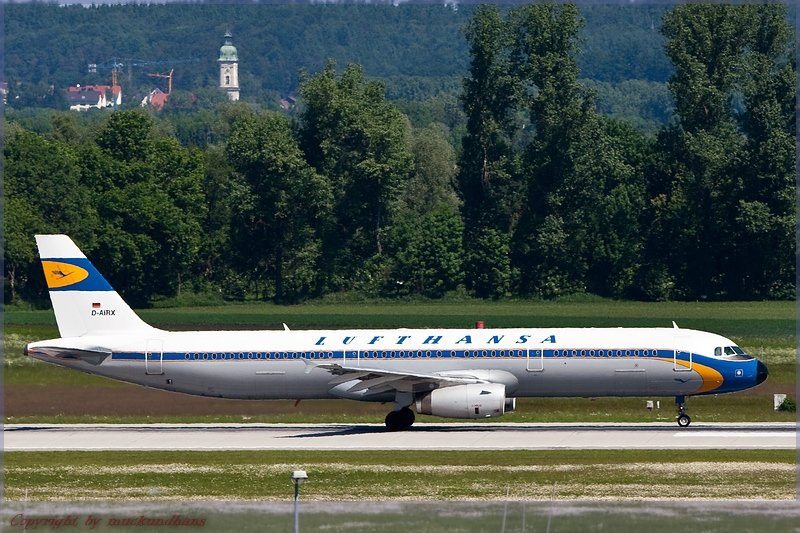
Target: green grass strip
<point>402,475</point>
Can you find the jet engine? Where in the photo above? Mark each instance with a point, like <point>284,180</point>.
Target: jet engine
<point>475,400</point>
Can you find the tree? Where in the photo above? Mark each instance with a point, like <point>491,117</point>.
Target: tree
<point>126,134</point>
<point>44,195</point>
<point>544,61</point>
<point>721,209</point>
<point>214,264</point>
<point>148,194</point>
<point>605,208</point>
<point>763,261</point>
<point>22,222</point>
<point>426,253</point>
<point>283,205</point>
<point>433,180</point>
<point>552,192</point>
<point>43,94</point>
<point>577,228</point>
<point>424,246</point>
<point>706,45</point>
<point>488,178</point>
<point>351,135</point>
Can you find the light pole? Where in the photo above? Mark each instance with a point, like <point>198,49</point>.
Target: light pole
<point>298,477</point>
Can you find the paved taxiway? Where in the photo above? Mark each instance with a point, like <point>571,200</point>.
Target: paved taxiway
<point>29,437</point>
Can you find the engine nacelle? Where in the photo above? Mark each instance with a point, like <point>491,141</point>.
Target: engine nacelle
<point>475,400</point>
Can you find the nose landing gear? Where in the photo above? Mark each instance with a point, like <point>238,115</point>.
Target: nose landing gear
<point>683,419</point>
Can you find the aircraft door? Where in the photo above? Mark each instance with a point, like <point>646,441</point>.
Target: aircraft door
<point>351,358</point>
<point>682,361</point>
<point>535,360</point>
<point>153,356</point>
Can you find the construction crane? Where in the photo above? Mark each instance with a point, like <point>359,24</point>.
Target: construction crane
<point>168,76</point>
<point>115,65</point>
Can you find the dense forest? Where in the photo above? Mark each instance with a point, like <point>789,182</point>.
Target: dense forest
<point>417,51</point>
<point>480,160</point>
<point>52,44</point>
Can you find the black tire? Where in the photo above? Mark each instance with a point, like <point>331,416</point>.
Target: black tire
<point>400,420</point>
<point>393,422</point>
<point>684,421</point>
<point>407,417</point>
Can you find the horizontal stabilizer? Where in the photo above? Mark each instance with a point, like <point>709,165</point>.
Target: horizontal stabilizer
<point>93,357</point>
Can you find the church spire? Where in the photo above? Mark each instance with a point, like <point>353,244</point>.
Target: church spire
<point>229,68</point>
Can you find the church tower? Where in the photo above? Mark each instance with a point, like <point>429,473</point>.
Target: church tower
<point>229,68</point>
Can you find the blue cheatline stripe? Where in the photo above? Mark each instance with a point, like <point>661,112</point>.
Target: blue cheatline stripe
<point>734,373</point>
<point>93,282</point>
<point>394,355</point>
<point>731,371</point>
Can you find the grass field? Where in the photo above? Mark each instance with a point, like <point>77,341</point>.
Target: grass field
<point>745,319</point>
<point>403,475</point>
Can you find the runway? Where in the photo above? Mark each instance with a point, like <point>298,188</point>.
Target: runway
<point>457,436</point>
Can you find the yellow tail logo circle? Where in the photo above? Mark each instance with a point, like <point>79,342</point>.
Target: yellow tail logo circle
<point>60,274</point>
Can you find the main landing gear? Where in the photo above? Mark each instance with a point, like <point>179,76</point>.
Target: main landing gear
<point>402,417</point>
<point>683,419</point>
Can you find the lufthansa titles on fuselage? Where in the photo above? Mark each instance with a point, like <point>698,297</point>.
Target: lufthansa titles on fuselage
<point>431,340</point>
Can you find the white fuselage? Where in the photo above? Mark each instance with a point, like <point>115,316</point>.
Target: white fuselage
<point>302,364</point>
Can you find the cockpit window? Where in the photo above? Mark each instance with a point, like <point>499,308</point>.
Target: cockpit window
<point>728,350</point>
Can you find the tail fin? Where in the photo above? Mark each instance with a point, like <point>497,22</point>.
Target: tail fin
<point>83,301</point>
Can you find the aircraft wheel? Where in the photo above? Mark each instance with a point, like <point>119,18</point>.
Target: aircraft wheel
<point>684,420</point>
<point>407,417</point>
<point>393,421</point>
<point>399,420</point>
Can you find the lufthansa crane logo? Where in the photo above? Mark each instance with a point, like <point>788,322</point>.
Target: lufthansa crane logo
<point>59,274</point>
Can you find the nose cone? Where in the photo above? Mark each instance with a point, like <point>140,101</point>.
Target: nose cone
<point>761,373</point>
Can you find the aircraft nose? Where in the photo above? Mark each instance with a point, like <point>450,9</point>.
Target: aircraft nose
<point>761,373</point>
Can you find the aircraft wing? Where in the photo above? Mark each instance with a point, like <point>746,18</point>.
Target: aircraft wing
<point>376,381</point>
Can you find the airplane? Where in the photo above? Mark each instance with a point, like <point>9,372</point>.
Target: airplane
<point>453,373</point>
